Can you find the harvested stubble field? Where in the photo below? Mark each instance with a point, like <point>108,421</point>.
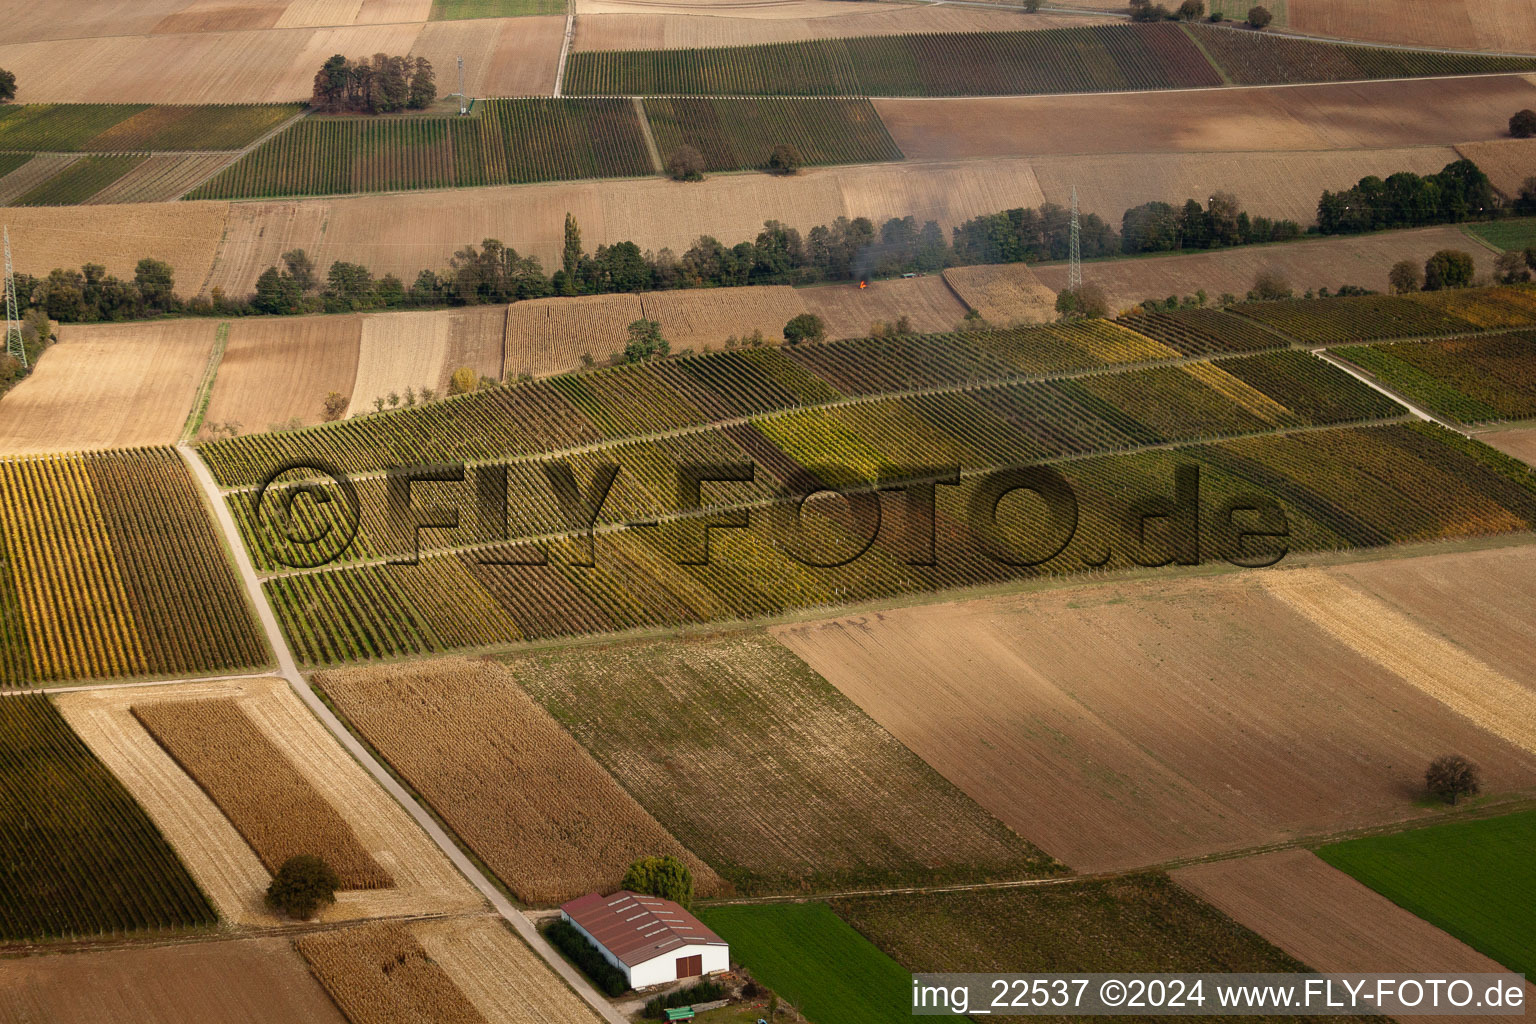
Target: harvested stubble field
<point>416,350</point>
<point>1328,920</point>
<point>252,981</point>
<point>223,864</point>
<point>1004,295</point>
<point>851,312</point>
<point>702,319</point>
<point>523,795</point>
<point>646,25</point>
<point>1037,723</point>
<point>185,235</point>
<point>760,767</point>
<point>1347,116</point>
<point>1132,923</point>
<point>108,386</point>
<point>401,234</point>
<point>82,858</point>
<point>546,336</point>
<point>278,370</point>
<point>1307,264</point>
<point>1503,25</point>
<point>268,800</point>
<point>1475,879</point>
<point>497,972</point>
<point>114,570</point>
<point>379,974</point>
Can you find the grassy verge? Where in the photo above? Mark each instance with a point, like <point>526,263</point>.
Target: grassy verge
<point>205,389</point>
<point>1513,235</point>
<point>1473,879</point>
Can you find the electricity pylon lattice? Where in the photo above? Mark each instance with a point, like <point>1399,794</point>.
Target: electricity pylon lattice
<point>13,339</point>
<point>463,108</point>
<point>1075,271</point>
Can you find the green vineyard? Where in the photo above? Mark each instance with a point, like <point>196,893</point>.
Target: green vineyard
<point>112,569</point>
<point>134,127</point>
<point>80,858</point>
<point>1471,380</point>
<point>740,134</point>
<point>506,142</point>
<point>1103,58</point>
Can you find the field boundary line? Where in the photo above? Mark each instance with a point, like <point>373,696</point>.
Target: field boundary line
<point>565,51</point>
<point>205,387</point>
<point>236,155</point>
<point>288,669</point>
<point>647,134</point>
<point>1370,382</point>
<point>92,687</point>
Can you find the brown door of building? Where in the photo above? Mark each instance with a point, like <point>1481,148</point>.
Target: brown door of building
<point>690,966</point>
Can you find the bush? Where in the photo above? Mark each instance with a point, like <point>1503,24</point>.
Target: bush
<point>1269,285</point>
<point>1523,124</point>
<point>7,85</point>
<point>1088,301</point>
<point>301,885</point>
<point>702,992</point>
<point>463,381</point>
<point>1451,776</point>
<point>335,405</point>
<point>1405,276</point>
<point>784,159</point>
<point>564,937</point>
<point>664,876</point>
<point>645,341</point>
<point>1259,17</point>
<point>805,327</point>
<point>1510,268</point>
<point>1191,10</point>
<point>686,164</point>
<point>1448,268</point>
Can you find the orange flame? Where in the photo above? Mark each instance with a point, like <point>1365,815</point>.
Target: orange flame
<point>863,284</point>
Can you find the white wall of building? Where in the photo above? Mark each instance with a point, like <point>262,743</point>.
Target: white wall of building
<point>663,969</point>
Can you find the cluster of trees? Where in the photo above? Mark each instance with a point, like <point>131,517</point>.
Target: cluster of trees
<point>7,85</point>
<point>1460,192</point>
<point>1192,10</point>
<point>377,85</point>
<point>1452,268</point>
<point>90,293</point>
<point>1163,227</point>
<point>1521,126</point>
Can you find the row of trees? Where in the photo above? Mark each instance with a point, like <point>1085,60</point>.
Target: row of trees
<point>378,85</point>
<point>1162,227</point>
<point>1460,192</point>
<point>1193,10</point>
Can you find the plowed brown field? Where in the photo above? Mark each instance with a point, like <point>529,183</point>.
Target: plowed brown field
<point>1364,116</point>
<point>1313,263</point>
<point>1504,25</point>
<point>520,791</point>
<point>850,311</point>
<point>250,981</point>
<point>1329,921</point>
<point>280,369</point>
<point>1520,442</point>
<point>1132,723</point>
<point>108,387</point>
<point>1508,162</point>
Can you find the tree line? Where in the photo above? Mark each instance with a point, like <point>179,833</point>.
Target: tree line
<point>378,85</point>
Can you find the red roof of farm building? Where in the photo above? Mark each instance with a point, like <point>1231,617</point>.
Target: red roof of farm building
<point>638,928</point>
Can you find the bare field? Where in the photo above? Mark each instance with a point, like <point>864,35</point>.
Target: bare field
<point>416,350</point>
<point>1314,263</point>
<point>502,57</point>
<point>250,981</point>
<point>221,16</point>
<point>1504,25</point>
<point>185,235</point>
<point>1519,442</point>
<point>1267,184</point>
<point>666,27</point>
<point>1329,921</point>
<point>280,369</point>
<point>497,972</point>
<point>534,806</point>
<point>64,19</point>
<point>403,233</point>
<point>1133,723</point>
<point>1377,115</point>
<point>1004,295</point>
<point>1508,162</point>
<point>219,859</point>
<point>108,386</point>
<point>850,311</point>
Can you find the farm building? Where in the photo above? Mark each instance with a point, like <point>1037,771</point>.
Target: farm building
<point>652,940</point>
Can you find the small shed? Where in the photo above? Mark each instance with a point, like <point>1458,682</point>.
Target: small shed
<point>652,940</point>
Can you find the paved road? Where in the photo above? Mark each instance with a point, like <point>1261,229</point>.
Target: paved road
<point>289,670</point>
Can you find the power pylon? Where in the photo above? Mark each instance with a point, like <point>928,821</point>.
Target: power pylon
<point>463,109</point>
<point>13,340</point>
<point>1075,271</point>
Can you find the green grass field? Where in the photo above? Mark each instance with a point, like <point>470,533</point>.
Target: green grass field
<point>458,10</point>
<point>812,958</point>
<point>1474,879</point>
<point>1510,235</point>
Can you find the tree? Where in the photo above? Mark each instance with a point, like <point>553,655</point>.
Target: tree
<point>463,380</point>
<point>1031,6</point>
<point>1270,284</point>
<point>331,83</point>
<point>785,159</point>
<point>1448,268</point>
<point>645,341</point>
<point>423,90</point>
<point>1451,776</point>
<point>1523,124</point>
<point>157,285</point>
<point>335,405</point>
<point>1525,201</point>
<point>7,85</point>
<point>1405,276</point>
<point>1191,10</point>
<point>664,876</point>
<point>570,256</point>
<point>301,269</point>
<point>1088,301</point>
<point>301,885</point>
<point>805,327</point>
<point>1259,17</point>
<point>1510,268</point>
<point>349,287</point>
<point>686,164</point>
